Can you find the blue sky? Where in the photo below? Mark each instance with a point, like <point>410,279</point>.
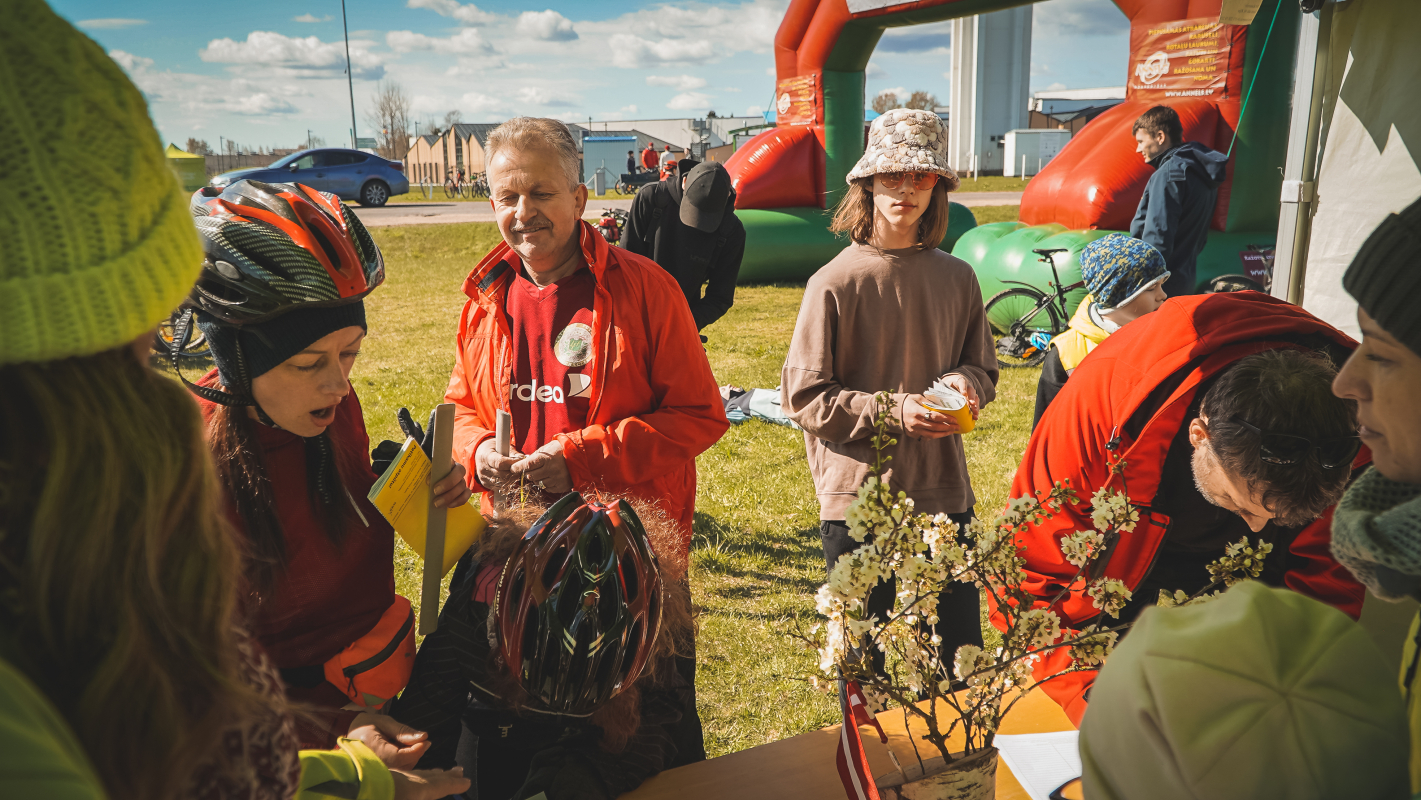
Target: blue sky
<point>263,72</point>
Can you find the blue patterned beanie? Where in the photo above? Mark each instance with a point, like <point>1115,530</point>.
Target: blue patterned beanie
<point>1117,267</point>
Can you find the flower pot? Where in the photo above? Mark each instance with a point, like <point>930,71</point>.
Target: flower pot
<point>972,777</point>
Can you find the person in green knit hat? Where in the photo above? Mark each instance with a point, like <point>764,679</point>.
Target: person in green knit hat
<point>1376,532</point>
<point>124,668</point>
<point>1261,694</point>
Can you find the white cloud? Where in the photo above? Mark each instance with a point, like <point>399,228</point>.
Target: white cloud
<point>469,14</point>
<point>110,24</point>
<point>311,18</point>
<point>1055,87</point>
<point>1038,68</point>
<point>932,39</point>
<point>754,111</point>
<point>466,42</point>
<point>476,102</point>
<point>634,52</point>
<point>903,94</point>
<point>260,104</point>
<point>681,83</point>
<point>686,101</point>
<point>545,26</point>
<point>301,54</point>
<point>130,63</point>
<point>874,71</point>
<point>631,109</point>
<point>539,96</point>
<point>1066,19</point>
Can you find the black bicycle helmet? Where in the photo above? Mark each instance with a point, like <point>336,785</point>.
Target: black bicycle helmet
<point>271,247</point>
<point>578,605</point>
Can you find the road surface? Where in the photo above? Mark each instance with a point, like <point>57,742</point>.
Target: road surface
<point>437,213</point>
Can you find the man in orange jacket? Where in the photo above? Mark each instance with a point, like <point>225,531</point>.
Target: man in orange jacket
<point>1220,408</point>
<point>591,349</point>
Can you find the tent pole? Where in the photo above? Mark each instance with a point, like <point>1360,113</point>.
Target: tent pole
<point>1300,165</point>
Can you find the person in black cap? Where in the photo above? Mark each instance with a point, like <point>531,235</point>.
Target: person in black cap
<point>688,226</point>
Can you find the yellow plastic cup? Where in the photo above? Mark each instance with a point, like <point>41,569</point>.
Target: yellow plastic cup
<point>961,411</point>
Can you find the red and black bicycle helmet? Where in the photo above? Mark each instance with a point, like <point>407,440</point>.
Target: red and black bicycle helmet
<point>578,605</point>
<point>272,247</point>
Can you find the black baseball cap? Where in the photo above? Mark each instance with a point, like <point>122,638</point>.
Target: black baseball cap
<point>706,197</point>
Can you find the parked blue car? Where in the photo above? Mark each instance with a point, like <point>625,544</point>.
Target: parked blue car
<point>348,174</point>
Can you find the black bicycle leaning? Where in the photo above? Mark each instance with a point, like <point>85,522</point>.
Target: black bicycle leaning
<point>1018,313</point>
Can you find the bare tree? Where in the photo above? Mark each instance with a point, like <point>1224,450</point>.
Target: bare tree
<point>885,101</point>
<point>198,147</point>
<point>927,101</point>
<point>453,118</point>
<point>390,116</point>
<point>315,141</point>
<point>433,129</point>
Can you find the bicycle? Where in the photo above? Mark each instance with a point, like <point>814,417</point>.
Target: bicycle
<point>196,348</point>
<point>1025,319</point>
<point>478,186</point>
<point>451,186</point>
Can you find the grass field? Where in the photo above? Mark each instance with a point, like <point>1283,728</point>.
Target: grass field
<point>756,557</point>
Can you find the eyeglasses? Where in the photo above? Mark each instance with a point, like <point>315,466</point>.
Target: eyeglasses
<point>922,181</point>
<point>1284,448</point>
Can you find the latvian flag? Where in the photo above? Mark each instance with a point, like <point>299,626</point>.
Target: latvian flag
<point>853,764</point>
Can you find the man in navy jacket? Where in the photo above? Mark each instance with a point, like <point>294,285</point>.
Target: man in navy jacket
<point>1179,200</point>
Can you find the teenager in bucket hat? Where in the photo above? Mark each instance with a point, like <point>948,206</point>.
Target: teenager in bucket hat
<point>1125,279</point>
<point>124,670</point>
<point>893,313</point>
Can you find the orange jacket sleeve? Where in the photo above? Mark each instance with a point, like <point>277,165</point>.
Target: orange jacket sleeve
<point>684,416</point>
<point>472,424</point>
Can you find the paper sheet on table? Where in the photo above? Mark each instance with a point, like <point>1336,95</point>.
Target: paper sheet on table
<point>1041,761</point>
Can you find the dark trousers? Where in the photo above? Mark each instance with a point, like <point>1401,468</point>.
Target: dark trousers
<point>959,607</point>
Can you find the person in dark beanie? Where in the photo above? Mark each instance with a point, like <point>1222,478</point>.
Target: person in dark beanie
<point>1376,532</point>
<point>288,436</point>
<point>1178,203</point>
<point>688,226</point>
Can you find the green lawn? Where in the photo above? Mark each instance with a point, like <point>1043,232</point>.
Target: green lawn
<point>416,195</point>
<point>992,183</point>
<point>756,558</point>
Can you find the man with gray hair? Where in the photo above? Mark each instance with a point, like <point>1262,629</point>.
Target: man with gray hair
<point>591,349</point>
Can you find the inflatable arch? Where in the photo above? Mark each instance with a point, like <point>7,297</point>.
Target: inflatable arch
<point>1181,56</point>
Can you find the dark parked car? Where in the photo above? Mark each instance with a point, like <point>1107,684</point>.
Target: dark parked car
<point>348,174</point>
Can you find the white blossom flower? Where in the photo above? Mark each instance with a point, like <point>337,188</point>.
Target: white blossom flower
<point>1082,547</point>
<point>1109,595</point>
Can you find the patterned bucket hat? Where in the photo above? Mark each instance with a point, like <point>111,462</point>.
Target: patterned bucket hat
<point>906,140</point>
<point>1117,268</point>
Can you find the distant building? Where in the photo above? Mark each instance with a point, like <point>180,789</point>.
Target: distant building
<point>1071,109</point>
<point>432,158</point>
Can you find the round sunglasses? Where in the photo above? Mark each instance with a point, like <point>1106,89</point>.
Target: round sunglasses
<point>922,181</point>
<point>1285,448</point>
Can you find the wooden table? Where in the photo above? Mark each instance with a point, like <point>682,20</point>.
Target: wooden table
<point>803,766</point>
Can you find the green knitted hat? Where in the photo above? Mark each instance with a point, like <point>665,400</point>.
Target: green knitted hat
<point>98,245</point>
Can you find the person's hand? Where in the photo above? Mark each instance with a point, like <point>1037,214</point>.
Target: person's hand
<point>547,468</point>
<point>396,744</point>
<point>965,388</point>
<point>453,491</point>
<point>493,469</point>
<point>924,423</point>
<point>429,784</point>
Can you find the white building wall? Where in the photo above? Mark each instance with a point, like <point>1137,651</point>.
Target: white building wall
<point>991,72</point>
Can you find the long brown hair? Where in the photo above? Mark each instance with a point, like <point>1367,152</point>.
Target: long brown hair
<point>855,214</point>
<point>117,571</point>
<point>241,469</point>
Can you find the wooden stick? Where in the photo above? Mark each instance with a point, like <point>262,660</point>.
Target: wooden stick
<point>503,432</point>
<point>441,463</point>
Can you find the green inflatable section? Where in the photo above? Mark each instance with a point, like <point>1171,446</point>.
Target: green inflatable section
<point>789,244</point>
<point>1001,252</point>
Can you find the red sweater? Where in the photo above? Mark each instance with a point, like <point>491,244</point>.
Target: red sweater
<point>327,596</point>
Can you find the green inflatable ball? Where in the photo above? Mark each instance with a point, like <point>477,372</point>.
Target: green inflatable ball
<point>973,245</point>
<point>960,220</point>
<point>1004,259</point>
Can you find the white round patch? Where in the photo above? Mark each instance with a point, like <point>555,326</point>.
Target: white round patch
<point>573,345</point>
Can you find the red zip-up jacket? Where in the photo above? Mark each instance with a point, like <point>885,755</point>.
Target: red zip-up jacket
<point>1173,350</point>
<point>654,402</point>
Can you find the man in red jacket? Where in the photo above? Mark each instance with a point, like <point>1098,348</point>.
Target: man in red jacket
<point>591,349</point>
<point>1220,407</point>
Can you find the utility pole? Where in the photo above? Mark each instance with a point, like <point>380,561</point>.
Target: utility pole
<point>349,76</point>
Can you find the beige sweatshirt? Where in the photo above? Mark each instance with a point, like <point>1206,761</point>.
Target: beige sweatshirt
<point>875,320</point>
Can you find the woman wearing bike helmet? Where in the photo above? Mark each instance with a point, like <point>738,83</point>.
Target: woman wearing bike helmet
<point>281,300</point>
<point>892,313</point>
<point>553,666</point>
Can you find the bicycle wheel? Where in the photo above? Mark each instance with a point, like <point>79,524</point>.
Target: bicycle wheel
<point>1013,316</point>
<point>197,346</point>
<point>450,189</point>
